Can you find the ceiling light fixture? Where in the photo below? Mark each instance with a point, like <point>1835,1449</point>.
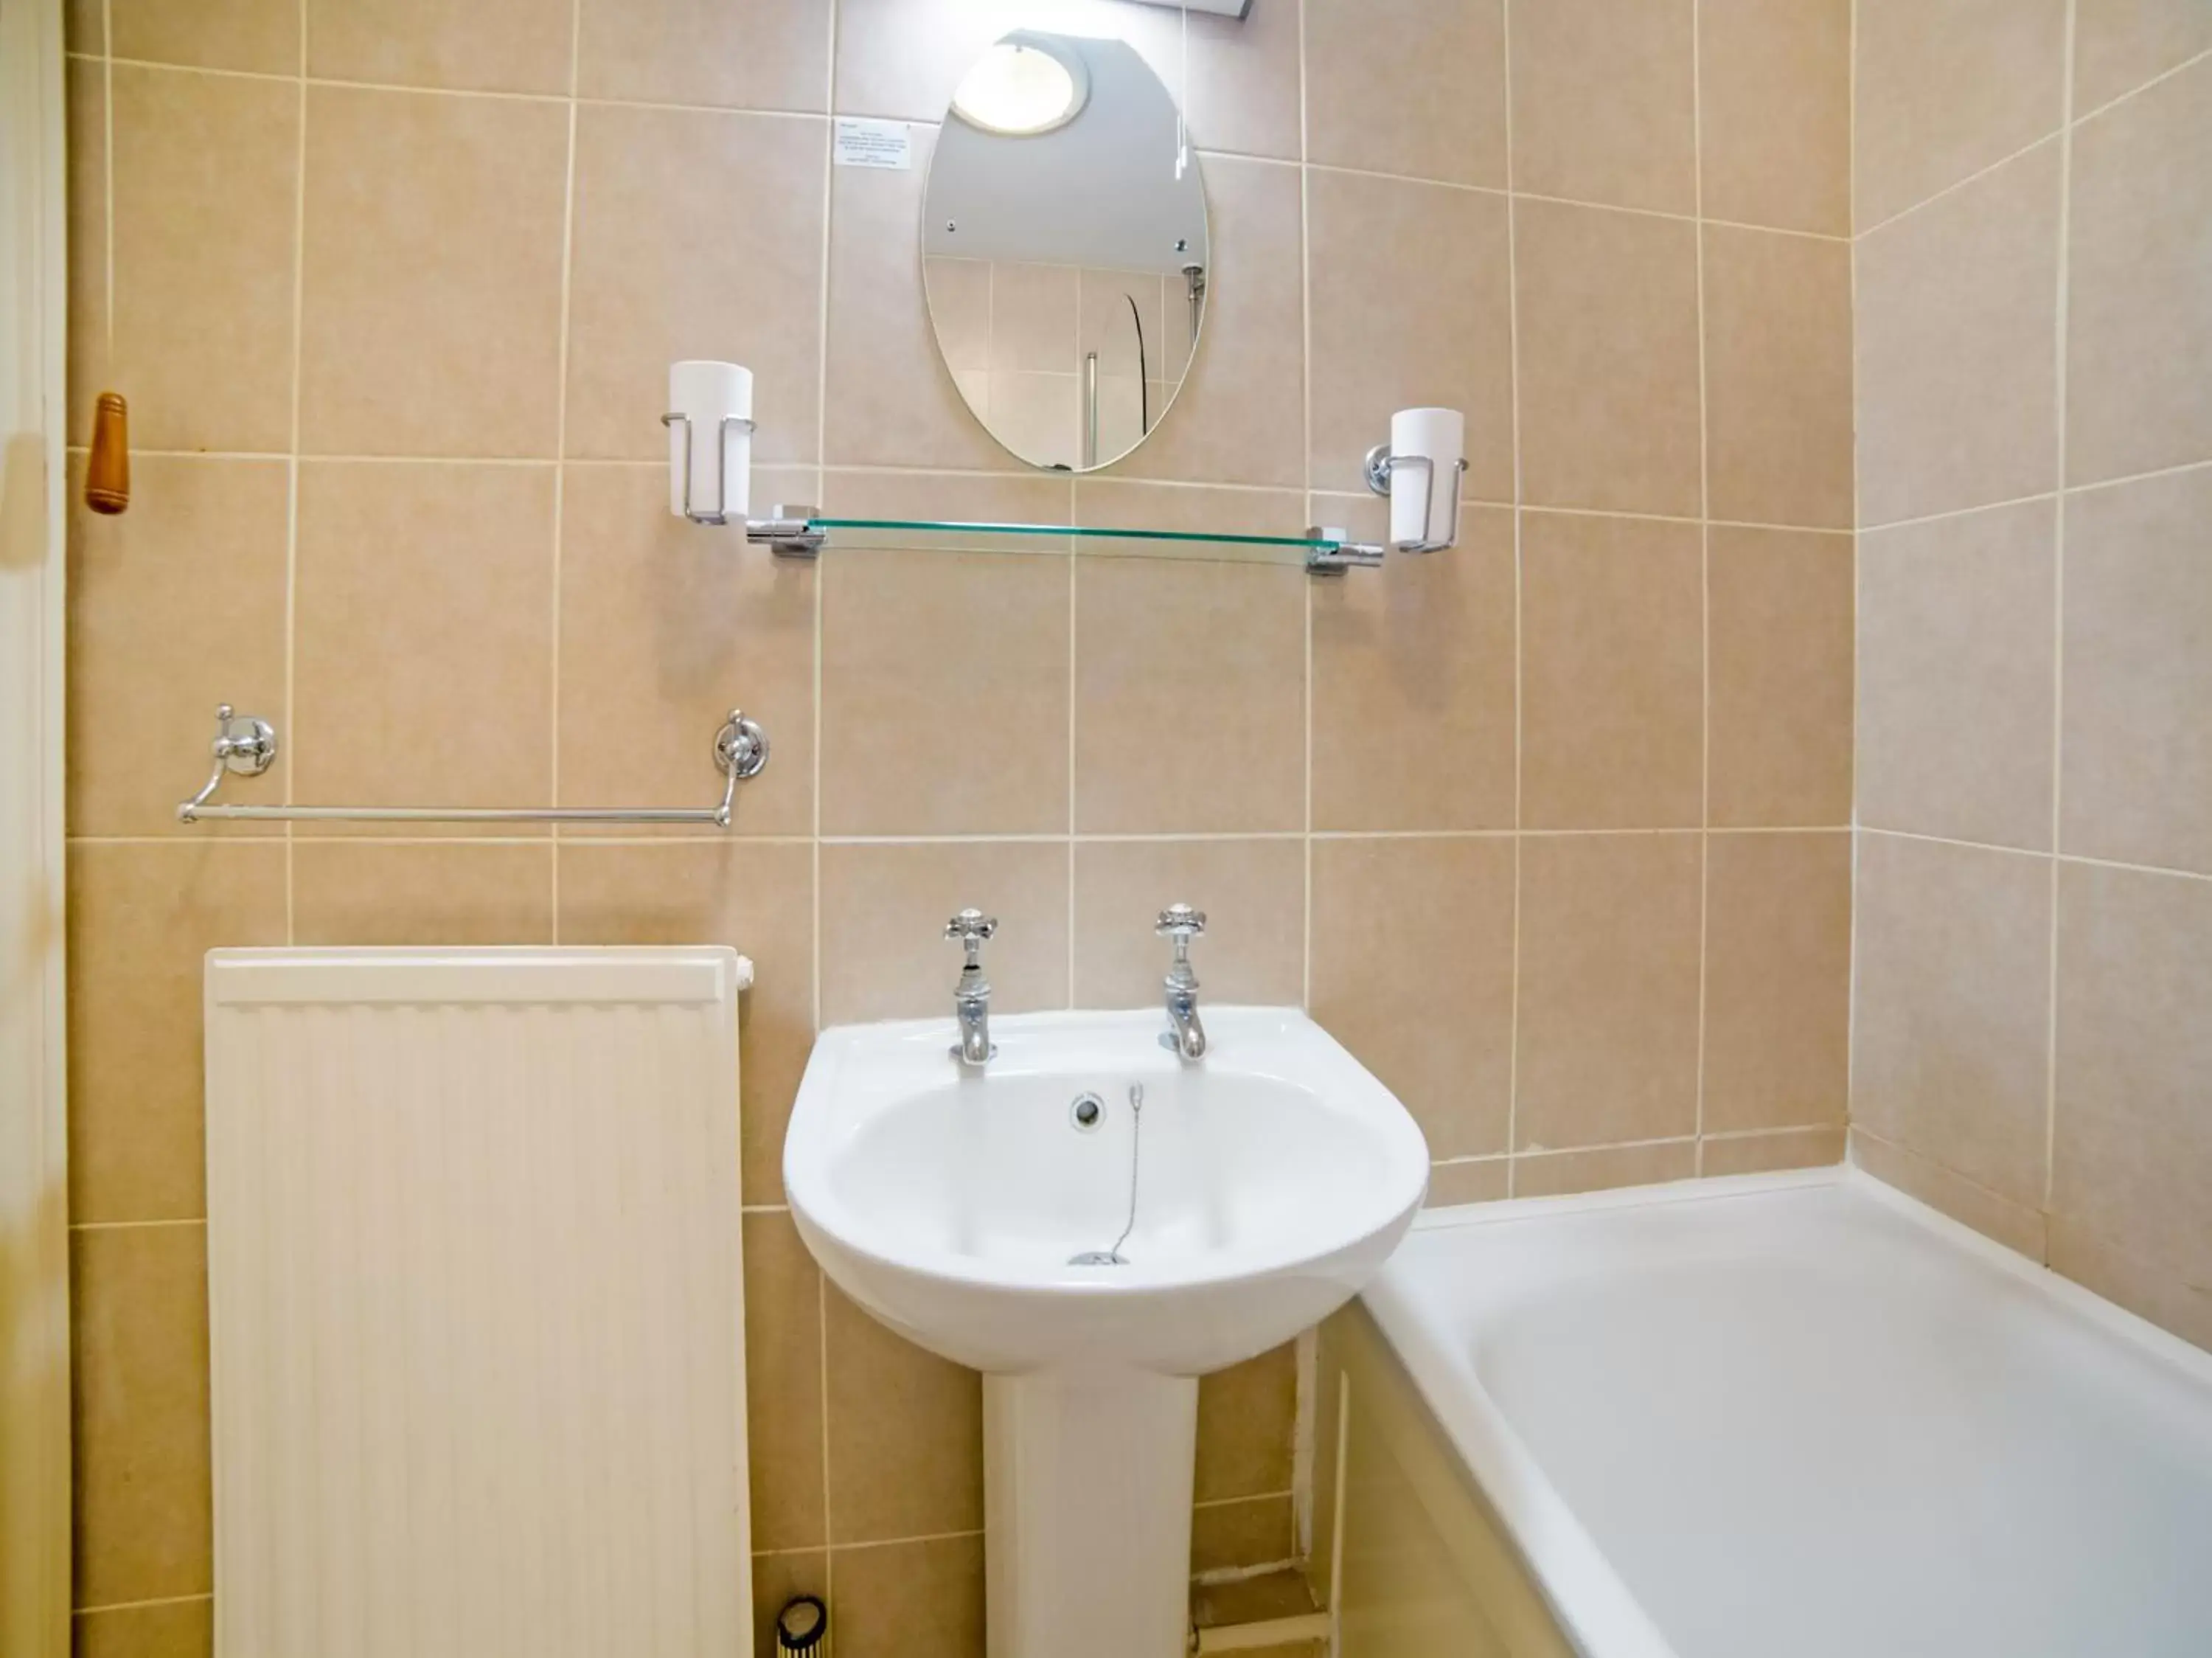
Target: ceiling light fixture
<point>1025,85</point>
<point>1237,10</point>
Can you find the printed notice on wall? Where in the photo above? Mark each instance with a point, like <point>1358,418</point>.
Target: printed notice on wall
<point>875,144</point>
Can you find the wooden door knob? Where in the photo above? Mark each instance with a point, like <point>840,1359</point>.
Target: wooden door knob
<point>107,473</point>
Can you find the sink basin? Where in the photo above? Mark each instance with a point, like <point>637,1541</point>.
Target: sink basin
<point>1093,1222</point>
<point>1271,1179</point>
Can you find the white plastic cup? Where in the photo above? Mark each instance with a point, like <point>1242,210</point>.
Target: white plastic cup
<point>1425,496</point>
<point>706,394</point>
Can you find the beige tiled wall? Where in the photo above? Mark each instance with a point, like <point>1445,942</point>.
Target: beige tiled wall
<point>1553,830</point>
<point>2033,1030</point>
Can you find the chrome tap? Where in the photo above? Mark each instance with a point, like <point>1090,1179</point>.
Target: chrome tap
<point>1187,1036</point>
<point>971,998</point>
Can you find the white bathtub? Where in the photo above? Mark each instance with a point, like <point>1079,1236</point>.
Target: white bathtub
<point>1803,1416</point>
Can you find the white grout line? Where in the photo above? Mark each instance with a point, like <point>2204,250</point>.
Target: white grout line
<point>1956,512</point>
<point>343,83</point>
<point>1696,217</point>
<point>1956,186</point>
<point>1801,234</point>
<point>1520,689</point>
<point>136,1226</point>
<point>2077,859</point>
<point>1951,840</point>
<point>1471,1161</point>
<point>1851,210</point>
<point>1386,176</point>
<point>1704,580</point>
<point>820,582</point>
<point>1342,1447</point>
<point>108,166</point>
<point>536,461</point>
<point>2151,476</point>
<point>139,451</point>
<point>2079,118</point>
<point>740,110</point>
<point>1073,690</point>
<point>1216,1576</point>
<point>560,446</point>
<point>1545,1154</point>
<point>142,1605</point>
<point>1852,132</point>
<point>1231,1502</point>
<point>2058,600</point>
<point>873,1543</point>
<point>1306,1399</point>
<point>1835,1125</point>
<point>1068,901</point>
<point>1781,529</point>
<point>292,468</point>
<point>820,452</point>
<point>1914,1156</point>
<point>587,841</point>
<point>1312,514</point>
<point>584,841</point>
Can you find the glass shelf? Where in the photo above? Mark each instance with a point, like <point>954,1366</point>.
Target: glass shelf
<point>799,531</point>
<point>862,529</point>
<point>803,532</point>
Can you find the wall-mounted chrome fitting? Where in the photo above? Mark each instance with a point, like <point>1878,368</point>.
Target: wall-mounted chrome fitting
<point>1343,553</point>
<point>710,443</point>
<point>1382,469</point>
<point>720,512</point>
<point>710,439</point>
<point>788,532</point>
<point>246,747</point>
<point>1422,472</point>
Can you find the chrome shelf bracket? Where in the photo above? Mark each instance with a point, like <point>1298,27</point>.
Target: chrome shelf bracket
<point>788,532</point>
<point>1347,554</point>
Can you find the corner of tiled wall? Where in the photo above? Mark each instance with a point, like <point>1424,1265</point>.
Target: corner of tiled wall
<point>1553,831</point>
<point>2034,334</point>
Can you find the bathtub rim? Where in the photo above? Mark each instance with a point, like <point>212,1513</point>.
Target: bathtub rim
<point>1593,1602</point>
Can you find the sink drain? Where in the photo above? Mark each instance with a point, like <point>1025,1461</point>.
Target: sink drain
<point>1097,1257</point>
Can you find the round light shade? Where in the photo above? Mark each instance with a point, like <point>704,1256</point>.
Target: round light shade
<point>1022,87</point>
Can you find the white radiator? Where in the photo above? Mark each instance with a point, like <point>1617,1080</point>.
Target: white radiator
<point>476,1303</point>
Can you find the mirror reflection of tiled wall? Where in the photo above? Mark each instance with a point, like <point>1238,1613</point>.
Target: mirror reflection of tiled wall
<point>1017,336</point>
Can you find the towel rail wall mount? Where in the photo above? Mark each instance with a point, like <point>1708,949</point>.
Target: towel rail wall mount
<point>246,747</point>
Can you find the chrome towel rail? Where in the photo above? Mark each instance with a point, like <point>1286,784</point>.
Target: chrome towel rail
<point>247,746</point>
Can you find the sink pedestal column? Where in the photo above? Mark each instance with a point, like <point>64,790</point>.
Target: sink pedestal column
<point>1087,1488</point>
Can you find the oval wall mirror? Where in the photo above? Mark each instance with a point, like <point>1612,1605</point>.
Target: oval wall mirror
<point>1064,247</point>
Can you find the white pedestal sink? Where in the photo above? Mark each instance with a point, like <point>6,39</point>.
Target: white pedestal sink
<point>1093,1261</point>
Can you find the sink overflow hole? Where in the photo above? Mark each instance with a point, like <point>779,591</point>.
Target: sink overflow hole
<point>1088,1112</point>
